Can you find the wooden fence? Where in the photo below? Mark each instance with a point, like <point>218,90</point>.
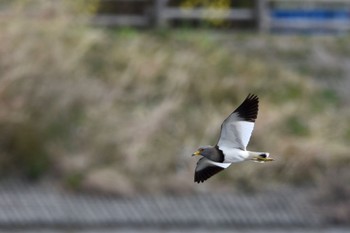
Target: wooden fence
<point>158,13</point>
<point>164,13</point>
<point>266,15</point>
<point>125,17</point>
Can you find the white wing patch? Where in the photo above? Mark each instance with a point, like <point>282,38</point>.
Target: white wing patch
<point>207,168</point>
<point>235,132</point>
<point>204,162</point>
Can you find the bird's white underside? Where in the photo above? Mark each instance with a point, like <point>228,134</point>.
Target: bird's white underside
<point>234,138</point>
<point>233,155</point>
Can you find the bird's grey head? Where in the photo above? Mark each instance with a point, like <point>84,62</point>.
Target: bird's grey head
<point>210,152</point>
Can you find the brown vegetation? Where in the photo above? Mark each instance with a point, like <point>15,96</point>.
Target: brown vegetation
<point>122,111</point>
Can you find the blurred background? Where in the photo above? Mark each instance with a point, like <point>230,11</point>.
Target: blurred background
<point>102,103</point>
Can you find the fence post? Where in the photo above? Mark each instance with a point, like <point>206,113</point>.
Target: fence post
<point>160,5</point>
<point>262,11</point>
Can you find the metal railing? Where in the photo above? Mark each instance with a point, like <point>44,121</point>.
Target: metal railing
<point>307,15</point>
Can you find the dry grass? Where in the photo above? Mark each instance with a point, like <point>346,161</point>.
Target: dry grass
<point>122,111</point>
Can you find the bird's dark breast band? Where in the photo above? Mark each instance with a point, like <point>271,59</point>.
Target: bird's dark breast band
<point>220,154</point>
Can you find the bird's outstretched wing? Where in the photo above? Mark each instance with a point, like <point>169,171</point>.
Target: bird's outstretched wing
<point>207,168</point>
<point>238,126</point>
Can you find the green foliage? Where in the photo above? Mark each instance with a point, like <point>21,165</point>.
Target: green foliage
<point>223,5</point>
<point>73,181</point>
<point>326,99</point>
<point>22,150</point>
<point>296,126</point>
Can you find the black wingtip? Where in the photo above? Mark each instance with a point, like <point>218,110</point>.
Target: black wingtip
<point>248,110</point>
<point>252,97</point>
<point>206,173</point>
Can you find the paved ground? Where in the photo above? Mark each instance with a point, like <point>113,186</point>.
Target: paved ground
<point>196,230</point>
<point>45,208</point>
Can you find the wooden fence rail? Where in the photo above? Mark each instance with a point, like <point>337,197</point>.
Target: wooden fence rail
<point>164,13</point>
<point>268,15</point>
<point>159,14</point>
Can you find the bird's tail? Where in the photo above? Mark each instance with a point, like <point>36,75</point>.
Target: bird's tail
<point>262,157</point>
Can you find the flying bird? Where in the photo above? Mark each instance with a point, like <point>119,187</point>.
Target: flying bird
<point>231,146</point>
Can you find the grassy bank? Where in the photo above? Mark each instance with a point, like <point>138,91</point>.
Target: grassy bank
<point>122,110</point>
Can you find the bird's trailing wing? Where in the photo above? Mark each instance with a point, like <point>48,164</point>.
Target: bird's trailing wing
<point>207,168</point>
<point>238,126</point>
